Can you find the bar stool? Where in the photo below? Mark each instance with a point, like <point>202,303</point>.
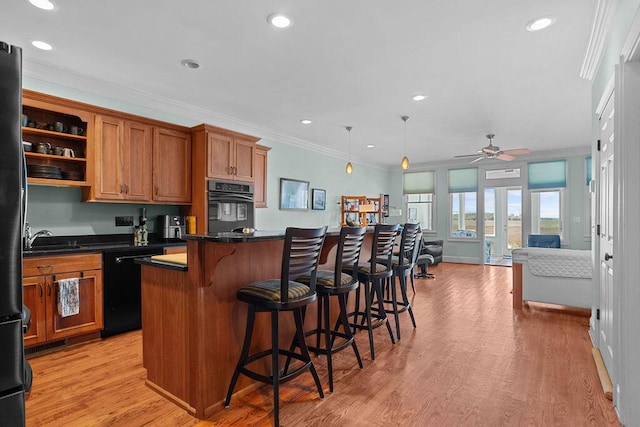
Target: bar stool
<point>372,275</point>
<point>403,264</point>
<point>337,282</point>
<point>299,257</point>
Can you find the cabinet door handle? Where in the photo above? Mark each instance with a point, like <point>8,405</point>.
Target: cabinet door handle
<point>156,190</point>
<point>41,290</point>
<point>126,188</point>
<point>48,289</point>
<point>120,189</point>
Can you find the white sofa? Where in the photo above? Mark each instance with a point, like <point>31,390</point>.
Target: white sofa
<point>556,276</point>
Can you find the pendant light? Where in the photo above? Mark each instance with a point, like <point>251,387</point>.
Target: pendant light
<point>349,168</point>
<point>405,160</point>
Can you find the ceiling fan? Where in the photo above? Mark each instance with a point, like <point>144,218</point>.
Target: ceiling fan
<point>494,152</point>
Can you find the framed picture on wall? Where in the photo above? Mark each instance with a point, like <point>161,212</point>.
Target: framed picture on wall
<point>318,199</point>
<point>294,194</point>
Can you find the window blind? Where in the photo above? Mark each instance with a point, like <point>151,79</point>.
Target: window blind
<point>419,182</point>
<point>588,170</point>
<point>551,174</point>
<point>463,180</point>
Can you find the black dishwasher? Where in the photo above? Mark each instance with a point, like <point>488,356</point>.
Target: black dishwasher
<point>122,289</point>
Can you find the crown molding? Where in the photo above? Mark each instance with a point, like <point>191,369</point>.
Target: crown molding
<point>186,114</point>
<point>630,51</point>
<point>605,10</point>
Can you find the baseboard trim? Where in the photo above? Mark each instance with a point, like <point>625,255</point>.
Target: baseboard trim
<point>605,381</point>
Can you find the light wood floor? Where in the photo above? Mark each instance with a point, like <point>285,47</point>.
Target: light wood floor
<point>471,361</point>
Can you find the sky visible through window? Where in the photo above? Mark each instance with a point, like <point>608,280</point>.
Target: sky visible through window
<point>549,204</point>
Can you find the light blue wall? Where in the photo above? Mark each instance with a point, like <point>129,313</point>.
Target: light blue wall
<point>324,172</point>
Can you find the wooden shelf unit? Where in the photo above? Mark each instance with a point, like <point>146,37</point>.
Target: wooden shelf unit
<point>42,114</point>
<point>362,210</point>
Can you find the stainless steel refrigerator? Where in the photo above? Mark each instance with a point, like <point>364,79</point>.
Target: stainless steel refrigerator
<point>12,188</point>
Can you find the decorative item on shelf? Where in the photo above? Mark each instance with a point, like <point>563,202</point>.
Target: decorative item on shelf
<point>405,160</point>
<point>367,208</point>
<point>349,168</point>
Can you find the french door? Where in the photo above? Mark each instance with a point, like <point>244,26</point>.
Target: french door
<point>503,220</point>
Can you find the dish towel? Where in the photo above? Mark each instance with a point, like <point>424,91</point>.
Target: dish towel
<point>69,297</point>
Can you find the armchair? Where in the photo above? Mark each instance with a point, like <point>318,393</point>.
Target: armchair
<point>435,249</point>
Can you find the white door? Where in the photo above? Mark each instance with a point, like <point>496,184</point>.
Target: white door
<point>606,236</point>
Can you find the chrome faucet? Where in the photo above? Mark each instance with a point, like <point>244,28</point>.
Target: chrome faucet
<point>29,238</point>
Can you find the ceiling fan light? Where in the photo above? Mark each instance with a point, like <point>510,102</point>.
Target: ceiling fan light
<point>405,163</point>
<point>349,168</point>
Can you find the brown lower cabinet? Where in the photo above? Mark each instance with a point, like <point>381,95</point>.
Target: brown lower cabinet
<point>40,295</point>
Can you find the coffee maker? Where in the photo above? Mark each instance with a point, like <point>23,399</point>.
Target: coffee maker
<point>170,226</point>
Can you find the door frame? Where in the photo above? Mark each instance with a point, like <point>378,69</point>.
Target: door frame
<point>501,218</point>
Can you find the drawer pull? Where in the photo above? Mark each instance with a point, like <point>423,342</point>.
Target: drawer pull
<point>43,267</point>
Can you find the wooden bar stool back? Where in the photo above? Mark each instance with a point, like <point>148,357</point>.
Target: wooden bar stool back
<point>300,257</point>
<point>338,283</point>
<point>372,275</point>
<point>403,265</point>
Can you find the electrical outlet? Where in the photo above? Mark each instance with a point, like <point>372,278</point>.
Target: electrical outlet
<point>124,221</point>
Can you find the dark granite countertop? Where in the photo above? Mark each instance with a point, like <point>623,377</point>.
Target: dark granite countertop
<point>230,237</point>
<point>67,245</point>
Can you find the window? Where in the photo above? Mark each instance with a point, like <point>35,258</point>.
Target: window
<point>490,212</point>
<point>463,195</point>
<point>547,181</point>
<point>419,191</point>
<point>546,212</point>
<point>464,221</point>
<point>420,209</point>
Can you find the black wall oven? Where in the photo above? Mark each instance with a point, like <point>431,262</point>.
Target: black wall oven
<point>230,206</point>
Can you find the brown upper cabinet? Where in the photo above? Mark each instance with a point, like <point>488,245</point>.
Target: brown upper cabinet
<point>260,187</point>
<point>230,156</point>
<point>137,161</point>
<point>171,166</point>
<point>123,160</point>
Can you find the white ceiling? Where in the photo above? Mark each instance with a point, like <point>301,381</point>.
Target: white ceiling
<point>342,63</point>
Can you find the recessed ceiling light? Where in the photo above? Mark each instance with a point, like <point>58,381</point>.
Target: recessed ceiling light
<point>370,145</point>
<point>419,97</point>
<point>190,63</point>
<point>279,20</point>
<point>41,45</point>
<point>42,4</point>
<point>540,23</point>
<point>305,121</point>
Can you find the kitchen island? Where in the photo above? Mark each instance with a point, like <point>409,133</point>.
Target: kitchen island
<point>192,324</point>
